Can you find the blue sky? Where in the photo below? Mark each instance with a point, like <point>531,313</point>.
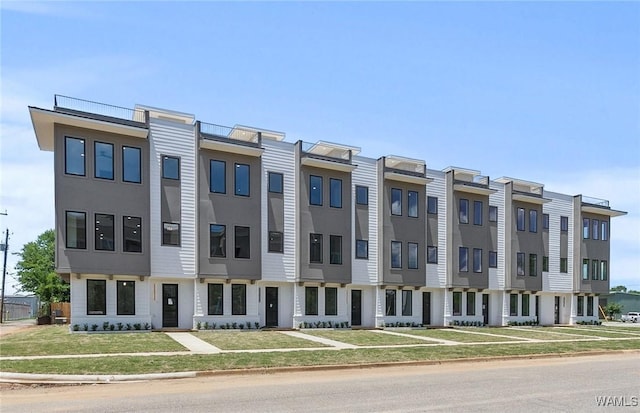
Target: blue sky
<point>547,92</point>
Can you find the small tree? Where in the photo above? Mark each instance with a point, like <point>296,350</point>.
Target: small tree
<point>612,309</point>
<point>619,289</point>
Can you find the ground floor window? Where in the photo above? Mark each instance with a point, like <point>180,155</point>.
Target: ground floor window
<point>513,304</point>
<point>390,302</point>
<point>457,303</point>
<point>96,297</point>
<point>215,296</point>
<point>407,298</point>
<point>580,311</point>
<point>330,301</point>
<point>471,303</point>
<point>238,299</point>
<point>311,301</point>
<point>525,304</point>
<point>590,306</point>
<point>126,297</point>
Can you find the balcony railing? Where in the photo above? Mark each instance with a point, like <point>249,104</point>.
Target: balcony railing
<point>328,151</point>
<point>235,134</point>
<point>595,201</point>
<point>99,111</point>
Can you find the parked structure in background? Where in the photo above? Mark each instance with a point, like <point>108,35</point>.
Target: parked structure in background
<point>17,307</point>
<point>166,220</point>
<point>628,301</point>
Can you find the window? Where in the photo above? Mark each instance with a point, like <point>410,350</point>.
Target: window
<point>330,301</point>
<point>471,303</point>
<point>604,233</point>
<point>513,304</point>
<point>493,259</point>
<point>603,270</point>
<point>335,193</point>
<point>170,167</point>
<point>464,211</point>
<point>238,299</point>
<point>533,265</point>
<point>457,303</point>
<point>477,260</point>
<point>477,212</point>
<point>242,239</point>
<point>362,195</point>
<point>390,302</point>
<point>585,228</point>
<point>96,297</point>
<point>432,205</point>
<point>315,190</point>
<point>315,248</point>
<point>564,266</point>
<point>218,177</point>
<point>242,187</point>
<point>463,259</point>
<point>590,306</point>
<point>276,241</point>
<point>595,269</point>
<point>525,304</point>
<point>215,299</point>
<point>74,156</point>
<point>335,249</point>
<point>520,219</point>
<point>131,234</point>
<point>396,254</point>
<point>126,297</point>
<point>276,182</point>
<point>520,263</point>
<point>170,233</point>
<point>396,201</point>
<point>362,249</point>
<point>413,256</point>
<point>564,224</point>
<point>595,227</point>
<point>545,263</point>
<point>407,299</point>
<point>545,221</point>
<point>104,233</point>
<point>311,301</point>
<point>412,199</point>
<point>131,165</point>
<point>217,240</point>
<point>493,213</point>
<point>533,220</point>
<point>103,160</point>
<point>585,269</point>
<point>580,309</point>
<point>76,233</point>
<point>432,255</point>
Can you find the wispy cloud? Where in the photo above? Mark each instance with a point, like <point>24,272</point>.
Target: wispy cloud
<point>55,8</point>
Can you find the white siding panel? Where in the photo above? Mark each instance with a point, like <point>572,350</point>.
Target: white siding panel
<point>365,272</point>
<point>554,280</point>
<point>437,274</point>
<point>497,276</point>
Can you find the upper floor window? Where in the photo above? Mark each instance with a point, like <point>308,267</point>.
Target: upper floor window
<point>493,213</point>
<point>545,263</point>
<point>520,219</point>
<point>477,212</point>
<point>603,271</point>
<point>412,197</point>
<point>520,263</point>
<point>276,241</point>
<point>335,249</point>
<point>585,228</point>
<point>170,167</point>
<point>432,205</point>
<point>396,201</point>
<point>477,260</point>
<point>103,160</point>
<point>335,193</point>
<point>362,195</point>
<point>217,240</point>
<point>413,255</point>
<point>362,249</point>
<point>131,164</point>
<point>464,211</point>
<point>564,224</point>
<point>315,190</point>
<point>315,248</point>
<point>396,254</point>
<point>242,242</point>
<point>585,269</point>
<point>493,259</point>
<point>604,233</point>
<point>170,233</point>
<point>74,160</point>
<point>533,220</point>
<point>432,255</point>
<point>595,227</point>
<point>104,232</point>
<point>533,265</point>
<point>131,234</point>
<point>126,297</point>
<point>276,182</point>
<point>545,221</point>
<point>76,230</point>
<point>564,266</point>
<point>595,269</point>
<point>463,259</point>
<point>242,187</point>
<point>218,177</point>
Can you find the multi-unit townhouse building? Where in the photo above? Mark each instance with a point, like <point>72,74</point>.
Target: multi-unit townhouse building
<point>166,220</point>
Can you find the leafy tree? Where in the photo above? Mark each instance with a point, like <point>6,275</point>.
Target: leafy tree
<point>35,270</point>
<point>612,309</point>
<point>619,289</point>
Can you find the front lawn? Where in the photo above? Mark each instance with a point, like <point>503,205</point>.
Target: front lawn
<point>364,337</point>
<point>253,340</point>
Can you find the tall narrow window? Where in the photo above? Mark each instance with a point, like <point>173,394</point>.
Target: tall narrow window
<point>595,227</point>
<point>513,305</point>
<point>276,182</point>
<point>493,259</point>
<point>464,211</point>
<point>457,303</point>
<point>76,230</point>
<point>74,159</point>
<point>545,221</point>
<point>238,299</point>
<point>585,228</point>
<point>432,205</point>
<point>413,256</point>
<point>477,212</point>
<point>533,220</point>
<point>131,164</point>
<point>545,263</point>
<point>126,297</point>
<point>590,306</point>
<point>215,299</point>
<point>580,304</point>
<point>104,238</point>
<point>96,297</point>
<point>533,265</point>
<point>595,269</point>
<point>276,241</point>
<point>525,304</point>
<point>493,213</point>
<point>564,266</point>
<point>605,230</point>
<point>407,302</point>
<point>218,177</point>
<point>362,249</point>
<point>170,167</point>
<point>520,219</point>
<point>131,234</point>
<point>390,302</point>
<point>170,233</point>
<point>217,240</point>
<point>311,301</point>
<point>242,242</point>
<point>335,193</point>
<point>396,254</point>
<point>362,195</point>
<point>335,249</point>
<point>603,271</point>
<point>315,190</point>
<point>330,301</point>
<point>520,263</point>
<point>396,201</point>
<point>477,260</point>
<point>315,248</point>
<point>432,255</point>
<point>242,185</point>
<point>463,259</point>
<point>103,160</point>
<point>585,269</point>
<point>471,303</point>
<point>412,198</point>
<point>564,224</point>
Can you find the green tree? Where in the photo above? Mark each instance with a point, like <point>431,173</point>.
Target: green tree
<point>619,289</point>
<point>35,270</point>
<point>612,309</point>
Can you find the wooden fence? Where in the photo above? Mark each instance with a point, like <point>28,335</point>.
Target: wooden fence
<point>61,311</point>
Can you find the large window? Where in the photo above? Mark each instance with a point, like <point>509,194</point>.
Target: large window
<point>457,303</point>
<point>412,198</point>
<point>407,302</point>
<point>545,221</point>
<point>238,299</point>
<point>585,269</point>
<point>525,304</point>
<point>76,233</point>
<point>564,224</point>
<point>131,164</point>
<point>464,211</point>
<point>396,201</point>
<point>170,167</point>
<point>432,205</point>
<point>564,266</point>
<point>276,182</point>
<point>362,249</point>
<point>362,195</point>
<point>96,297</point>
<point>315,248</point>
<point>493,259</point>
<point>590,306</point>
<point>477,260</point>
<point>471,303</point>
<point>513,304</point>
<point>74,159</point>
<point>595,269</point>
<point>580,304</point>
<point>170,233</point>
<point>276,241</point>
<point>533,265</point>
<point>311,300</point>
<point>432,255</point>
<point>520,219</point>
<point>335,193</point>
<point>126,297</point>
<point>604,233</point>
<point>604,272</point>
<point>315,190</point>
<point>103,160</point>
<point>131,234</point>
<point>218,177</point>
<point>390,302</point>
<point>413,255</point>
<point>520,263</point>
<point>463,259</point>
<point>217,240</point>
<point>335,249</point>
<point>396,254</point>
<point>330,301</point>
<point>242,242</point>
<point>241,178</point>
<point>104,237</point>
<point>215,299</point>
<point>595,228</point>
<point>493,213</point>
<point>477,212</point>
<point>533,220</point>
<point>585,228</point>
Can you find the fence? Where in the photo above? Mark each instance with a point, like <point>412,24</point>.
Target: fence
<point>60,311</point>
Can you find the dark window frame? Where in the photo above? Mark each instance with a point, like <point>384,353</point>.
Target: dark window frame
<point>318,191</point>
<point>366,244</point>
<point>533,265</point>
<point>310,300</point>
<point>513,305</point>
<point>432,205</point>
<point>477,258</point>
<point>463,211</point>
<point>318,241</point>
<point>95,160</point>
<point>124,165</point>
<point>545,221</point>
<point>432,249</point>
<point>215,308</point>
<point>137,231</point>
<point>533,220</point>
<point>123,307</point>
<point>564,265</point>
<point>238,190</point>
<point>545,263</point>
<point>407,303</point>
<point>273,244</point>
<point>525,305</point>
<point>220,239</point>
<point>217,184</point>
<point>564,224</point>
<point>493,259</point>
<point>81,244</point>
<point>98,307</point>
<point>238,249</point>
<point>98,244</point>
<point>471,303</point>
<point>238,299</point>
<point>493,213</point>
<point>362,195</point>
<point>167,239</point>
<point>335,251</point>
<point>396,195</point>
<point>279,187</point>
<point>413,202</point>
<point>399,258</point>
<point>521,223</point>
<point>586,228</point>
<point>390,302</point>
<point>335,199</point>
<point>478,217</point>
<point>463,266</point>
<point>165,175</point>
<point>330,301</point>
<point>83,155</point>
<point>520,264</point>
<point>456,306</point>
<point>585,268</point>
<point>580,306</point>
<point>416,248</point>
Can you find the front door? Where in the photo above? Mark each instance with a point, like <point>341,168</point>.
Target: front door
<point>169,305</point>
<point>271,306</point>
<point>426,308</point>
<point>538,307</point>
<point>485,309</point>
<point>356,307</point>
<point>556,316</point>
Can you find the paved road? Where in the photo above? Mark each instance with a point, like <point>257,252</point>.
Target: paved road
<point>545,385</point>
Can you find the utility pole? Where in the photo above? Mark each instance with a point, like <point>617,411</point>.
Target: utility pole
<point>5,248</point>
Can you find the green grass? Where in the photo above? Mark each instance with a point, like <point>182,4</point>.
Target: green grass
<point>51,340</point>
<point>538,333</point>
<point>460,337</point>
<point>159,364</point>
<point>364,338</point>
<point>594,332</point>
<point>254,340</point>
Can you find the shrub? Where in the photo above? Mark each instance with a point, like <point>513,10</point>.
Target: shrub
<point>128,326</point>
<point>94,327</point>
<point>241,326</point>
<point>120,326</point>
<point>248,325</point>
<point>147,326</point>
<point>198,325</point>
<point>257,325</point>
<point>76,327</point>
<point>105,326</point>
<point>213,326</point>
<point>112,327</point>
<point>85,326</point>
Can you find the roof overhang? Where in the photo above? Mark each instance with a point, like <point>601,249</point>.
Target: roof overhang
<point>321,163</point>
<point>410,179</point>
<point>43,121</point>
<point>230,147</point>
<point>530,199</point>
<point>594,209</point>
<point>472,189</point>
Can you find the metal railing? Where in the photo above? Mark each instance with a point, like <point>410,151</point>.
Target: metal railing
<point>226,132</point>
<point>595,201</point>
<point>335,152</point>
<point>96,108</point>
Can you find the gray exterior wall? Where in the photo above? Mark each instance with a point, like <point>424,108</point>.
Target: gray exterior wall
<point>594,250</point>
<point>93,195</point>
<point>528,243</point>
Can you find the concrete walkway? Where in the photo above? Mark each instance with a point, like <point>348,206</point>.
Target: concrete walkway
<point>433,340</point>
<point>326,341</point>
<point>194,344</point>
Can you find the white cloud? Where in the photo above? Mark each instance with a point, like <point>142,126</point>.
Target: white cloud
<point>57,8</point>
